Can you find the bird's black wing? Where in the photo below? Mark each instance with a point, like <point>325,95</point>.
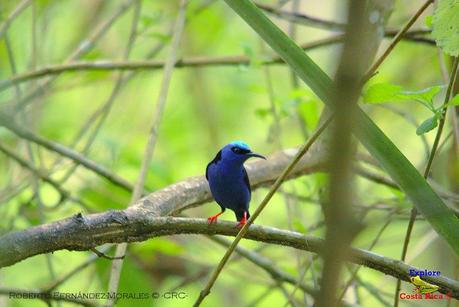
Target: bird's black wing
<point>246,180</point>
<point>217,158</point>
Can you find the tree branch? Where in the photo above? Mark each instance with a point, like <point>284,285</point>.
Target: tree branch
<point>151,140</point>
<point>267,265</point>
<point>195,61</point>
<point>195,191</point>
<point>36,172</point>
<point>73,155</point>
<point>135,224</point>
<point>6,24</point>
<point>297,158</point>
<point>85,46</point>
<point>302,19</point>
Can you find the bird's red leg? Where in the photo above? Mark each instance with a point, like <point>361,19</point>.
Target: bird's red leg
<point>243,221</point>
<point>213,218</point>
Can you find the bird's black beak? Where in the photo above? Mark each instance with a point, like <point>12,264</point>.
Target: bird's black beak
<point>253,154</point>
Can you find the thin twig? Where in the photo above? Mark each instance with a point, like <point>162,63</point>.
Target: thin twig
<point>103,255</point>
<point>266,264</point>
<point>37,173</point>
<point>387,181</point>
<point>302,19</point>
<point>373,244</point>
<point>93,118</point>
<point>294,210</point>
<point>444,109</point>
<point>76,157</point>
<point>31,166</point>
<point>161,102</point>
<point>395,41</point>
<point>453,112</point>
<point>256,302</point>
<point>197,61</point>
<point>375,292</point>
<point>59,281</point>
<point>301,278</point>
<point>6,24</point>
<point>414,211</point>
<point>105,110</point>
<point>85,46</point>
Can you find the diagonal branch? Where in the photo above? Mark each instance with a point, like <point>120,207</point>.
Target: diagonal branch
<point>157,116</point>
<point>266,264</point>
<point>297,158</point>
<point>36,172</point>
<point>414,210</point>
<point>302,19</point>
<point>6,24</point>
<point>85,46</point>
<point>73,155</point>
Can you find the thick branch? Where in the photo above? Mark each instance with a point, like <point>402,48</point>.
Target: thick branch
<point>195,191</point>
<point>133,224</point>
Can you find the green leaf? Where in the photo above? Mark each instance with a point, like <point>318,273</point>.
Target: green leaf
<point>262,112</point>
<point>428,21</point>
<point>382,92</point>
<point>164,38</point>
<point>298,225</point>
<point>427,125</point>
<point>161,245</point>
<point>454,101</point>
<point>255,59</point>
<point>149,20</point>
<point>425,95</point>
<point>248,50</point>
<point>386,92</point>
<point>446,26</point>
<point>376,142</point>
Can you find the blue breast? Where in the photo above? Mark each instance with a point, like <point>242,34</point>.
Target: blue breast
<point>229,185</point>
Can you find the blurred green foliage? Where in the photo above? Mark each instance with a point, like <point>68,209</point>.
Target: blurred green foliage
<point>207,107</point>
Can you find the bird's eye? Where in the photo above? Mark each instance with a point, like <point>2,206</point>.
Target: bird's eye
<point>236,150</point>
<point>239,151</point>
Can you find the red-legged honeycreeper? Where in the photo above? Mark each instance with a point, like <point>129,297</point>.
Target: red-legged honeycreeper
<point>229,182</point>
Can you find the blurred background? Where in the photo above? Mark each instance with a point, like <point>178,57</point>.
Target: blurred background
<point>209,104</point>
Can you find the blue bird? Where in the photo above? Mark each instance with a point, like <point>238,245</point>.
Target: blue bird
<point>229,182</point>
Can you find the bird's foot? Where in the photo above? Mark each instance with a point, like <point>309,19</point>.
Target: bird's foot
<point>243,221</point>
<point>241,224</point>
<point>213,218</point>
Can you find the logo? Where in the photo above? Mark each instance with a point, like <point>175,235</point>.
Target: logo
<point>422,289</point>
<point>424,273</point>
